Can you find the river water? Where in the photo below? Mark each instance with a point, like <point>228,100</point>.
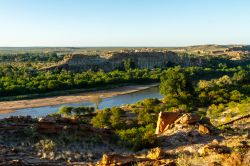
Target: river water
<point>118,100</point>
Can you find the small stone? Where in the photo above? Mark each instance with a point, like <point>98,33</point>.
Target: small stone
<point>155,153</point>
<point>204,129</point>
<point>215,141</point>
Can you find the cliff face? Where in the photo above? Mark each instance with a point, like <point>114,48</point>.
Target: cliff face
<point>149,60</point>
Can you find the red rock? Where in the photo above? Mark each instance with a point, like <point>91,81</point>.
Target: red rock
<point>165,119</point>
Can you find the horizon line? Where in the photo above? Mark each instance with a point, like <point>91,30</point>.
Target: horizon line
<point>123,46</point>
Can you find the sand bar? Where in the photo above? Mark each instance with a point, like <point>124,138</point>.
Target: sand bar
<point>10,106</point>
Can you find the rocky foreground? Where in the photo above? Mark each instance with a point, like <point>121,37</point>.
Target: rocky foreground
<point>182,139</point>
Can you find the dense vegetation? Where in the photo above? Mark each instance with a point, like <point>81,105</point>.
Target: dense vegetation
<point>220,84</point>
<point>31,57</point>
<point>24,80</point>
<point>218,95</point>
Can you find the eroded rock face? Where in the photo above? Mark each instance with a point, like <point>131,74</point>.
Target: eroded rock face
<point>149,60</point>
<point>165,119</point>
<point>56,125</point>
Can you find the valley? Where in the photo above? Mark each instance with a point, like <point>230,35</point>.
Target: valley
<point>125,106</point>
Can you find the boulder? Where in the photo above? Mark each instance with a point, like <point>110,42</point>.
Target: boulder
<point>188,118</point>
<point>165,119</point>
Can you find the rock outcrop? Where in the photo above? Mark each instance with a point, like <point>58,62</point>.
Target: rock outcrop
<point>141,60</point>
<point>56,125</point>
<point>167,120</point>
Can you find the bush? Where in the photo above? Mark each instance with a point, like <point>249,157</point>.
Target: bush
<point>109,118</point>
<point>137,138</point>
<point>101,120</point>
<point>75,111</point>
<point>78,111</point>
<point>215,110</point>
<point>145,117</point>
<point>65,110</point>
<point>150,103</point>
<point>115,117</point>
<point>236,95</point>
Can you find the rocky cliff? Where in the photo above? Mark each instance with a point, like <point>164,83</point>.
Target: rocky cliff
<point>108,62</point>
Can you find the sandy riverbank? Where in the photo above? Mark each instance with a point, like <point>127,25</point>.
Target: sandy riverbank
<point>10,106</point>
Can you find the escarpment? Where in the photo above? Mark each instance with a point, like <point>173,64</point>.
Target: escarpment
<point>113,61</point>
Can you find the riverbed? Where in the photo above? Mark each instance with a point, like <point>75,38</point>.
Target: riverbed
<point>103,99</point>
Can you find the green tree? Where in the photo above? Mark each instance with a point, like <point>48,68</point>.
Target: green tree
<point>128,64</point>
<point>115,117</point>
<point>175,82</point>
<point>66,111</point>
<point>101,120</point>
<point>235,95</point>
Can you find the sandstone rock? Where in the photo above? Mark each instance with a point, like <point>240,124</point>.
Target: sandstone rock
<point>203,129</point>
<point>109,62</point>
<point>188,118</point>
<point>165,119</point>
<point>155,153</point>
<point>235,159</point>
<point>215,142</point>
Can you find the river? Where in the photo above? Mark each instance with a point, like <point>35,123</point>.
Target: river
<point>109,102</point>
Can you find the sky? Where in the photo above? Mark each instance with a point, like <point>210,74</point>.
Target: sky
<point>85,23</point>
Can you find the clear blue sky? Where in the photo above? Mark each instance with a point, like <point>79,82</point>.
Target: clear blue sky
<point>123,22</point>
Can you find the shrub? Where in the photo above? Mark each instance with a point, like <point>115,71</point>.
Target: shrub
<point>145,117</point>
<point>109,118</point>
<point>150,103</point>
<point>101,120</point>
<point>137,138</point>
<point>47,145</point>
<point>75,111</point>
<point>235,95</point>
<point>115,117</point>
<point>65,110</point>
<point>215,110</point>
